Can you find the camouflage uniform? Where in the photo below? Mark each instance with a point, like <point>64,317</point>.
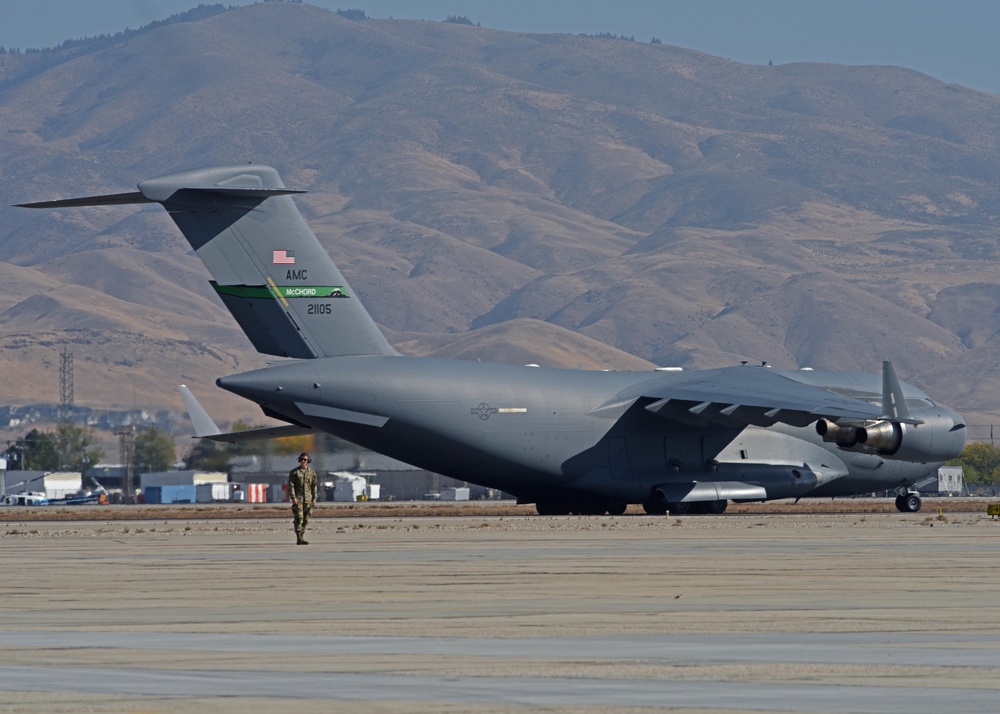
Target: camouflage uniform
<point>302,485</point>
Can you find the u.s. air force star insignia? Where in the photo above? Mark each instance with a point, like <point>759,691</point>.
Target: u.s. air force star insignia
<point>484,410</point>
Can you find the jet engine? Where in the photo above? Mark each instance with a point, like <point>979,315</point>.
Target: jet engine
<point>886,437</point>
<point>843,436</point>
<point>939,436</point>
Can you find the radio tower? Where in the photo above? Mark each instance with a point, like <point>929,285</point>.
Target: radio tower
<point>126,453</point>
<point>65,385</point>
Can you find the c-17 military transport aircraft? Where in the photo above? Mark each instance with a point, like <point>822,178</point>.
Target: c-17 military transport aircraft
<point>570,441</point>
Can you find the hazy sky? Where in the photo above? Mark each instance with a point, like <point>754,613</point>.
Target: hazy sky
<point>955,41</point>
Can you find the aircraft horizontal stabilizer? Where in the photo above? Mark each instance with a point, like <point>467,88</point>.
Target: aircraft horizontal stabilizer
<point>110,199</point>
<point>120,199</point>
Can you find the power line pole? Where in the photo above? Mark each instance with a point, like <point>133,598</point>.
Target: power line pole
<point>126,452</point>
<point>65,385</point>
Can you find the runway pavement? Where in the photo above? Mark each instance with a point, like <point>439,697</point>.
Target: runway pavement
<point>741,613</point>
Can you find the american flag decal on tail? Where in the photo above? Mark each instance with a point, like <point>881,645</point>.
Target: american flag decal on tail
<point>283,257</point>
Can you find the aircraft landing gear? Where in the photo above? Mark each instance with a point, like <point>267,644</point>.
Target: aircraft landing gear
<point>908,502</point>
<point>654,505</point>
<point>579,506</point>
<point>716,507</point>
<point>617,508</point>
<point>553,508</point>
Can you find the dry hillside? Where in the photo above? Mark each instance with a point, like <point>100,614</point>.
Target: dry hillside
<point>512,197</point>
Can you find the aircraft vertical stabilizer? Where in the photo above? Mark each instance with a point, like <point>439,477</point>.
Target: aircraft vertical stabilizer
<point>267,265</point>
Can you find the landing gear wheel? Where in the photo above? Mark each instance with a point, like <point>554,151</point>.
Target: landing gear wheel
<point>717,507</point>
<point>616,508</point>
<point>654,507</point>
<point>900,506</point>
<point>552,508</point>
<point>679,509</point>
<point>912,502</point>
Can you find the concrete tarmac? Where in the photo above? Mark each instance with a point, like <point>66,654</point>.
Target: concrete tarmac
<point>734,613</point>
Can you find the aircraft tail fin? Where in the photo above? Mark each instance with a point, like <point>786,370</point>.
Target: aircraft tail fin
<point>267,266</point>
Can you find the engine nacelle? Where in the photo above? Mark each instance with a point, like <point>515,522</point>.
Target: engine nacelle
<point>939,437</point>
<point>885,436</point>
<point>843,436</point>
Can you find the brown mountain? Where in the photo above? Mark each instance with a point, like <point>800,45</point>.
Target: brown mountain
<point>553,199</point>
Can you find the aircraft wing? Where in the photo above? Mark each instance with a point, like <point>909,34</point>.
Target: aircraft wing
<point>751,395</point>
<point>206,428</point>
<point>264,432</point>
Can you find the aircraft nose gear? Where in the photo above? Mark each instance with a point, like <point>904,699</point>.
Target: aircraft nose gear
<point>908,502</point>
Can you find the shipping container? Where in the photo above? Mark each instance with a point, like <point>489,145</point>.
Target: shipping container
<point>213,492</point>
<point>181,478</point>
<point>178,494</point>
<point>458,493</point>
<point>348,488</point>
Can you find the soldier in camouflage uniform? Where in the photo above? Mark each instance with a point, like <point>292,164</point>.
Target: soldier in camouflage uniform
<point>302,485</point>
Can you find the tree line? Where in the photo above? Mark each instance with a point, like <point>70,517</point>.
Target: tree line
<point>72,448</point>
<point>980,462</point>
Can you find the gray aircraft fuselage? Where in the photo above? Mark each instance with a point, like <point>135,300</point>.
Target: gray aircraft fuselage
<point>567,440</point>
<point>531,431</point>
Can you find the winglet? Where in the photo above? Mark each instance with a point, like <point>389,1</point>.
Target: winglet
<point>203,424</point>
<point>206,428</point>
<point>893,402</point>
